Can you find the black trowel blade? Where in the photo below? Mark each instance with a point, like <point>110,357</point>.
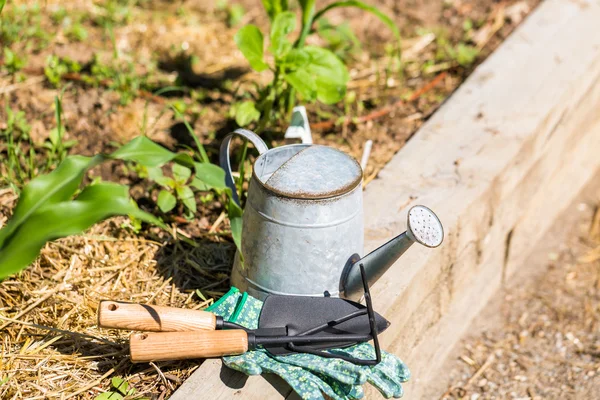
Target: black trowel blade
<point>300,314</point>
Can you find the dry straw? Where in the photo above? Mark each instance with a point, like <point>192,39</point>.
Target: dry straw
<point>52,347</point>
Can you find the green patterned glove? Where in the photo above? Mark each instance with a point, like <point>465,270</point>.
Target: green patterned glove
<point>310,375</point>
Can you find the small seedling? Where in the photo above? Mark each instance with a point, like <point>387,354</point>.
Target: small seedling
<point>311,73</point>
<point>12,61</point>
<point>56,67</point>
<point>176,188</point>
<point>19,165</point>
<point>56,144</point>
<point>119,389</point>
<point>77,32</point>
<point>340,39</point>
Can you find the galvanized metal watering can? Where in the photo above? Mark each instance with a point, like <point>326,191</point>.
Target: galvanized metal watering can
<point>303,223</point>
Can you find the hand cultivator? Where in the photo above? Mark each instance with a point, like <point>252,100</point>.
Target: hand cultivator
<point>287,324</point>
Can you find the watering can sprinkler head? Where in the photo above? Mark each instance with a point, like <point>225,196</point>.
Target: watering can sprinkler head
<point>424,227</point>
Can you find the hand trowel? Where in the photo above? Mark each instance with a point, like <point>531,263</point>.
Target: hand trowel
<point>287,324</point>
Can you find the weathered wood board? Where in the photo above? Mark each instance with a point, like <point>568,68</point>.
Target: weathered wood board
<point>498,163</point>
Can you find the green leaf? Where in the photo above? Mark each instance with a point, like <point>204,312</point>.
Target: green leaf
<point>182,157</point>
<point>465,54</point>
<point>54,136</point>
<point>303,82</point>
<point>186,195</point>
<point>181,173</point>
<point>109,396</point>
<point>274,7</point>
<point>52,221</point>
<point>199,293</point>
<point>235,220</point>
<point>210,175</point>
<point>58,118</point>
<point>166,201</point>
<point>359,4</point>
<point>144,151</point>
<point>282,26</point>
<point>2,3</point>
<point>245,113</point>
<point>329,74</point>
<point>45,190</point>
<point>120,384</point>
<point>249,40</point>
<point>297,58</point>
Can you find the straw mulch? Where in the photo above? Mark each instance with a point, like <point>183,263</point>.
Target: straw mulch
<point>51,344</point>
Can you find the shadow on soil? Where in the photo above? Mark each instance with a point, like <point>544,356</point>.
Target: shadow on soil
<point>205,267</point>
<point>183,66</point>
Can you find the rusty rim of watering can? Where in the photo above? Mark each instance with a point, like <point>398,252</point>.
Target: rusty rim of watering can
<point>302,171</point>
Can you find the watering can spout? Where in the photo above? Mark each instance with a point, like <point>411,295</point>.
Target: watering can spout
<point>423,227</point>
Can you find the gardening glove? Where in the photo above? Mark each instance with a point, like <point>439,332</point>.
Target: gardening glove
<point>337,378</point>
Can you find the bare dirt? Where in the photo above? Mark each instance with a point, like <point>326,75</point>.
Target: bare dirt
<point>539,338</point>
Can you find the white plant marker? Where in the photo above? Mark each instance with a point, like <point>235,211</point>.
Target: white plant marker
<point>299,127</point>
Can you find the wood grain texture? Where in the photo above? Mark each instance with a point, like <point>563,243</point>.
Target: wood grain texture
<point>166,346</point>
<point>143,317</point>
<point>505,155</point>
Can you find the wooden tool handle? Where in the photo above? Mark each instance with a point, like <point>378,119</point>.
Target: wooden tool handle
<point>142,317</point>
<point>166,346</point>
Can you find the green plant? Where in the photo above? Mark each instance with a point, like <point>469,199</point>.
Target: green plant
<point>462,53</point>
<point>113,13</point>
<point>235,12</point>
<point>2,3</point>
<point>22,23</point>
<point>56,67</point>
<point>309,72</point>
<point>77,32</point>
<point>12,61</point>
<point>19,164</point>
<point>340,39</point>
<point>55,144</point>
<point>119,389</point>
<point>175,188</point>
<point>53,206</point>
<point>120,77</point>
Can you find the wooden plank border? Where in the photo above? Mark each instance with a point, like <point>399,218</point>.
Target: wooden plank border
<point>499,162</point>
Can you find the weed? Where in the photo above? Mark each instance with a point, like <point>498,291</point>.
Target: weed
<point>119,389</point>
<point>340,39</point>
<point>175,189</point>
<point>120,77</point>
<point>309,72</point>
<point>113,13</point>
<point>22,23</point>
<point>59,15</point>
<point>234,12</point>
<point>57,147</point>
<point>56,67</point>
<point>19,164</point>
<point>12,61</point>
<point>462,53</point>
<point>77,32</point>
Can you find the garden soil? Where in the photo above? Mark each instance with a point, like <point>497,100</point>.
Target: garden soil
<point>539,337</point>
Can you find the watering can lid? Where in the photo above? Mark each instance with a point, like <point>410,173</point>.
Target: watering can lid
<point>317,172</point>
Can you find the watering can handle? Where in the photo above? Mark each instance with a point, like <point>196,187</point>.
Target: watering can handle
<point>225,162</point>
